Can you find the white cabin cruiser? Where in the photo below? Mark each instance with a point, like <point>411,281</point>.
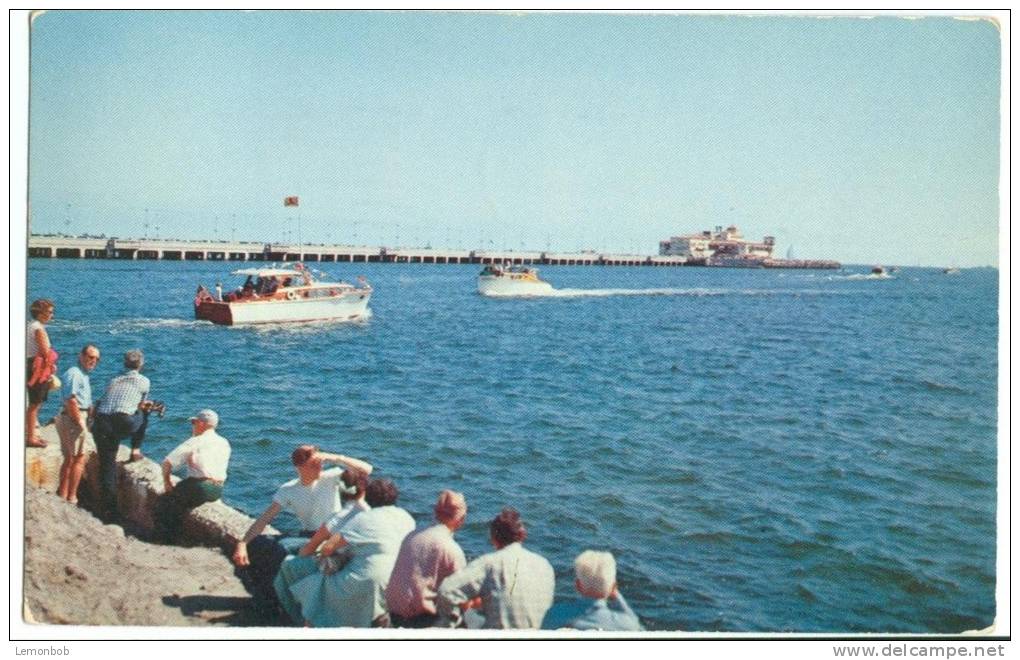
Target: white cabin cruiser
<point>511,281</point>
<point>278,295</point>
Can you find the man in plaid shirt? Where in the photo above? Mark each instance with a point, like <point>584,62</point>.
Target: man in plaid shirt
<point>119,415</point>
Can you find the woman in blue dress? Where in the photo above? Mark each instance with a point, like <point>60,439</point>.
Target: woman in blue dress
<point>355,595</point>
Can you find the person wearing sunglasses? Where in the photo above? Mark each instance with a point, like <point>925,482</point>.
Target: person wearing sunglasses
<point>72,421</point>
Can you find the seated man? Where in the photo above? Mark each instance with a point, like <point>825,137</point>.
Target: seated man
<point>426,557</point>
<point>248,288</point>
<point>354,595</point>
<point>314,497</point>
<point>512,586</point>
<point>323,550</point>
<point>205,455</point>
<point>604,607</point>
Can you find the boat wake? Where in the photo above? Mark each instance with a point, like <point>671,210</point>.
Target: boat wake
<point>159,323</point>
<point>692,292</point>
<point>120,326</point>
<point>600,293</point>
<point>863,276</point>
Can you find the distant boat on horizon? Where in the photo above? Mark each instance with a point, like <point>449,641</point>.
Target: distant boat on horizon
<point>496,280</point>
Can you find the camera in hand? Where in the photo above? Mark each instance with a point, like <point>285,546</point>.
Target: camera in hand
<point>157,407</point>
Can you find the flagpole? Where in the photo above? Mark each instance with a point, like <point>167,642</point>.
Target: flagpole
<point>295,201</point>
<point>301,252</point>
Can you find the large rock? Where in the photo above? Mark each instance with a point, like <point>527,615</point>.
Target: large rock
<point>42,464</point>
<point>139,486</point>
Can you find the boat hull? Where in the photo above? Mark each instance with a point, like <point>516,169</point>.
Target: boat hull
<point>348,306</point>
<point>505,286</point>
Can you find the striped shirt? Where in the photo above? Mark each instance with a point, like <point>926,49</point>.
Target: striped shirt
<point>124,393</point>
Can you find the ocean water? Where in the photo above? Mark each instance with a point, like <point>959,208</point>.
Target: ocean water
<point>808,451</point>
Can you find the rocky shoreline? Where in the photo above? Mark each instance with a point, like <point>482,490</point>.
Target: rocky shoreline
<point>79,571</point>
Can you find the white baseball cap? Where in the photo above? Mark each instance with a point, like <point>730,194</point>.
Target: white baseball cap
<point>208,416</point>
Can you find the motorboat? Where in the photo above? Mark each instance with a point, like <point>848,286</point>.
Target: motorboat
<point>282,294</point>
<point>495,280</point>
<point>881,272</point>
<point>952,270</point>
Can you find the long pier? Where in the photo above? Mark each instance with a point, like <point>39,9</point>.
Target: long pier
<point>67,247</point>
<point>70,247</point>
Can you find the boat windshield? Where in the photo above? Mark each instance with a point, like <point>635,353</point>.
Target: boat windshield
<point>516,270</point>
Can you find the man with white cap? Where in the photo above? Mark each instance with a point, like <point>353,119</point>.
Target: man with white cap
<point>205,456</point>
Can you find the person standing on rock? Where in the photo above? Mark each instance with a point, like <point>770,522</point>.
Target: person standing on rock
<point>37,345</point>
<point>205,455</point>
<point>72,421</point>
<point>120,414</point>
<point>314,497</point>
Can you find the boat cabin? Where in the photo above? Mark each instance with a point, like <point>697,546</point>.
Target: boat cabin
<point>271,283</point>
<point>276,284</point>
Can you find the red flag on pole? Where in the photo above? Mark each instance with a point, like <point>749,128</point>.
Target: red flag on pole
<point>290,201</point>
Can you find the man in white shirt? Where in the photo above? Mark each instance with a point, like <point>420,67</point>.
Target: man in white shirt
<point>205,456</point>
<point>314,497</point>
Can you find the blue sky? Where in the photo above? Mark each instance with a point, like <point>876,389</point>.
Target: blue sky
<point>863,140</point>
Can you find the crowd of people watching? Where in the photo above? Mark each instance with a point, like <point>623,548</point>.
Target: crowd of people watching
<point>357,559</point>
<point>368,565</point>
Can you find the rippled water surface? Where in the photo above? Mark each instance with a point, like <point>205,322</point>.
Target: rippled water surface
<point>762,450</point>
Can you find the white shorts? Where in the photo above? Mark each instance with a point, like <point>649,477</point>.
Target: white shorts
<point>72,436</point>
